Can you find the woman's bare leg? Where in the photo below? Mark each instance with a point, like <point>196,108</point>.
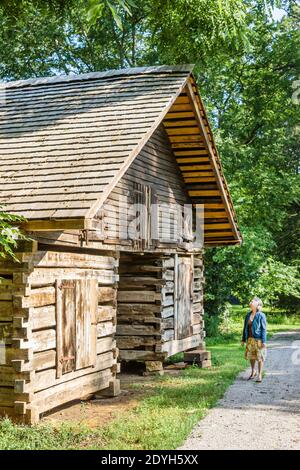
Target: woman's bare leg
<point>260,369</point>
<point>252,362</point>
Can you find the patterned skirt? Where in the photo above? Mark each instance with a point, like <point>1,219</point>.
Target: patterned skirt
<point>254,350</point>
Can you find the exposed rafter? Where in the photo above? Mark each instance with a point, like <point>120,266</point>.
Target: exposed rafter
<point>196,153</point>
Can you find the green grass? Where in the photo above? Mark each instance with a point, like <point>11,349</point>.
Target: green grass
<point>41,436</point>
<point>163,420</point>
<point>169,409</point>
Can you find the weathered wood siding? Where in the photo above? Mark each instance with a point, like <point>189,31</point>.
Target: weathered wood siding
<point>155,168</point>
<point>34,377</point>
<point>6,334</point>
<point>188,331</point>
<point>147,323</point>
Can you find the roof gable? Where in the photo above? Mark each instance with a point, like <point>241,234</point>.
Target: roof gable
<point>66,142</point>
<point>196,153</point>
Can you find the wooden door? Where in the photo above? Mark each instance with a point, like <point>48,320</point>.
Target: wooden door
<point>76,329</point>
<point>86,324</point>
<point>183,296</point>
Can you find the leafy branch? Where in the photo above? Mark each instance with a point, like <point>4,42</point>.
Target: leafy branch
<point>97,7</point>
<point>10,233</point>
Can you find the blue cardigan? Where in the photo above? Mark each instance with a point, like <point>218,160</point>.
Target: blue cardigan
<point>259,327</point>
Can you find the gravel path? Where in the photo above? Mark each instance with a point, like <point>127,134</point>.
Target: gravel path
<point>258,416</point>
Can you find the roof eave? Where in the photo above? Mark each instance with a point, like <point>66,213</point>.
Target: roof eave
<point>50,225</point>
<point>98,75</point>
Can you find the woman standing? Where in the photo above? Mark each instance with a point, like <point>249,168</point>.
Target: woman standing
<point>255,337</point>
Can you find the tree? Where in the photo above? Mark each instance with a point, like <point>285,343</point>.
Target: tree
<point>257,131</point>
<point>9,234</point>
<point>63,36</point>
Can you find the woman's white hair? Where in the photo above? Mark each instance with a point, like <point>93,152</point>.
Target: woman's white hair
<point>259,302</point>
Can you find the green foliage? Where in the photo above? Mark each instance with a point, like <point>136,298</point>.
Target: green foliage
<point>96,10</point>
<point>257,132</point>
<point>278,280</point>
<point>212,323</point>
<point>9,234</point>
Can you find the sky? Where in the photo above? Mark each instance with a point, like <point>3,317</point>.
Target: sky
<point>278,13</point>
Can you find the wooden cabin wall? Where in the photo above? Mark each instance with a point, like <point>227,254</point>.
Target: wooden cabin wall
<point>155,166</point>
<point>180,339</point>
<point>140,306</point>
<point>7,374</point>
<point>12,336</point>
<point>28,314</point>
<point>146,318</point>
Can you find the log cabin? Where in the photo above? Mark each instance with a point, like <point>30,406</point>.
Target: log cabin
<point>109,171</point>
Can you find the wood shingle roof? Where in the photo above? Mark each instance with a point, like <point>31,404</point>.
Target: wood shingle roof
<point>66,141</point>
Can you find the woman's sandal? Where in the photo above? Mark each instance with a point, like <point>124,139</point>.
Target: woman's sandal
<point>252,376</point>
<point>259,381</point>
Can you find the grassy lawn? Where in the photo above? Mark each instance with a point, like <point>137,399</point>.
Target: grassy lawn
<point>166,415</point>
